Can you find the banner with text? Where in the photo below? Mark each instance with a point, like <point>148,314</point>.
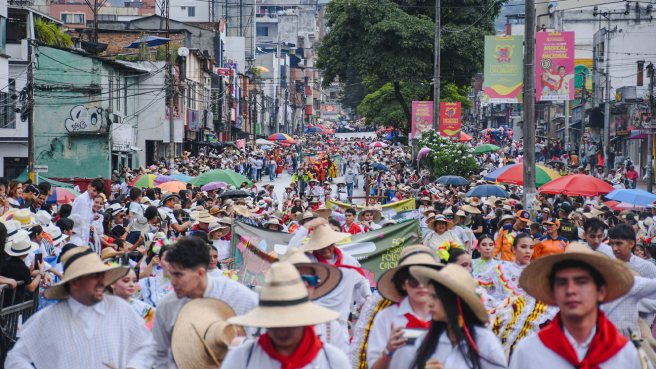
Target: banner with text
<point>422,117</point>
<point>554,64</point>
<point>450,120</point>
<point>396,207</point>
<point>504,69</point>
<point>254,249</point>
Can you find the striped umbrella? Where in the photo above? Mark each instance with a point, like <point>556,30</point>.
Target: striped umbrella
<point>144,180</point>
<point>514,174</point>
<point>173,186</point>
<point>182,177</point>
<point>62,196</point>
<point>280,137</point>
<point>162,179</point>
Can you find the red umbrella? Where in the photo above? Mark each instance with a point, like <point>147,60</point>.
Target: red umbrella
<point>577,184</point>
<point>464,137</point>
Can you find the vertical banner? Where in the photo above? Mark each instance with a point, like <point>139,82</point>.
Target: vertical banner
<point>422,117</point>
<point>504,69</point>
<point>582,74</point>
<point>450,120</point>
<point>554,66</point>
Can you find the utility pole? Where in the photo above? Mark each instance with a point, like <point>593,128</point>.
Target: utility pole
<point>650,137</point>
<point>529,108</point>
<point>30,99</point>
<point>582,144</point>
<point>607,105</point>
<point>169,55</point>
<point>285,111</point>
<point>230,89</point>
<point>567,145</point>
<point>436,70</point>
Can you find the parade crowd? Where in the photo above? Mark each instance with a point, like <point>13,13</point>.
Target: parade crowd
<point>134,275</point>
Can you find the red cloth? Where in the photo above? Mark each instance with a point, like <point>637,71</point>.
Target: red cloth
<point>414,322</point>
<point>606,343</point>
<point>353,229</point>
<point>306,351</point>
<point>338,263</point>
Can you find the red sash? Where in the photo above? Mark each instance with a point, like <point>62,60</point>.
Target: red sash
<point>414,322</point>
<point>338,263</point>
<point>306,351</point>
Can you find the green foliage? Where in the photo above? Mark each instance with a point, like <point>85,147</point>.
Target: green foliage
<point>352,91</point>
<point>50,34</point>
<point>447,157</point>
<point>382,108</point>
<point>161,52</point>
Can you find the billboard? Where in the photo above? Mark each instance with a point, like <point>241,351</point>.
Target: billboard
<point>582,72</point>
<point>504,69</point>
<point>193,120</point>
<point>422,117</point>
<point>554,63</point>
<point>450,120</point>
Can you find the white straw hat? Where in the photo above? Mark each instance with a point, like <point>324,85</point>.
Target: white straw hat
<point>21,245</point>
<point>411,255</point>
<point>329,276</point>
<point>322,235</point>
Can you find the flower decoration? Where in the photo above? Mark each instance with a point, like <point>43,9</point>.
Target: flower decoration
<point>446,247</point>
<point>511,238</point>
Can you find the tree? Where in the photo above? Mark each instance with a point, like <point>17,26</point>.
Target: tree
<point>352,91</point>
<point>50,34</point>
<point>447,157</point>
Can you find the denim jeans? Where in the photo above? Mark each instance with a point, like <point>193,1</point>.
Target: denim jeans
<point>272,172</point>
<point>356,181</point>
<point>349,189</point>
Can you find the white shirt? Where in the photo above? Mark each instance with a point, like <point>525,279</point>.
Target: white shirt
<point>580,348</point>
<point>488,345</point>
<point>605,249</point>
<point>83,205</point>
<point>381,330</point>
<point>623,311</point>
<point>259,359</point>
<point>532,353</point>
<point>237,296</point>
<point>72,335</point>
<point>333,333</point>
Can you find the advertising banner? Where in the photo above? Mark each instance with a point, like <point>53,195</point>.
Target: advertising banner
<point>504,69</point>
<point>554,66</point>
<point>582,73</point>
<point>193,120</point>
<point>254,249</point>
<point>450,120</point>
<point>397,207</point>
<point>422,117</point>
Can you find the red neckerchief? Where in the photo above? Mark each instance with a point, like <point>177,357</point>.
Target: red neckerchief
<point>352,229</point>
<point>414,322</point>
<point>306,351</point>
<point>606,343</point>
<point>338,263</point>
<point>226,237</point>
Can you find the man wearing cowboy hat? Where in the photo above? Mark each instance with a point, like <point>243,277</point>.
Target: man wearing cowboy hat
<point>79,320</point>
<point>368,218</point>
<point>289,316</point>
<point>204,219</point>
<point>580,336</point>
<point>188,261</point>
<point>168,202</point>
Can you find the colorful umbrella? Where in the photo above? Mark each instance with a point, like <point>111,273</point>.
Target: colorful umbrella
<point>182,177</point>
<point>173,186</point>
<point>464,137</point>
<point>482,149</point>
<point>616,205</point>
<point>144,180</point>
<point>213,186</point>
<point>514,174</point>
<point>162,179</point>
<point>577,184</point>
<point>453,180</point>
<point>62,196</point>
<point>378,144</point>
<point>635,197</point>
<point>423,152</point>
<point>280,137</point>
<point>221,175</point>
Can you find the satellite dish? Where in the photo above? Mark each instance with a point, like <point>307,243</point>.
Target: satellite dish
<point>183,51</point>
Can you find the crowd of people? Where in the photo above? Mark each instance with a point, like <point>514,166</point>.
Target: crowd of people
<point>137,277</point>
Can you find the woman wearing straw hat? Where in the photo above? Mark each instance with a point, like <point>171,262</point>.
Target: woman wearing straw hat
<point>388,346</point>
<point>441,227</point>
<point>457,338</point>
<point>273,224</point>
<point>580,336</point>
<point>75,327</point>
<point>287,313</point>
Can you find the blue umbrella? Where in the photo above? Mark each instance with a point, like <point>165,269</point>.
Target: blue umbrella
<point>266,147</point>
<point>486,191</point>
<point>453,180</point>
<point>635,197</point>
<point>380,166</point>
<point>150,41</point>
<point>314,129</point>
<point>182,177</point>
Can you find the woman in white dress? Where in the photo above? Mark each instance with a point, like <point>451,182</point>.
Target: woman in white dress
<point>125,288</point>
<point>158,283</point>
<point>481,265</point>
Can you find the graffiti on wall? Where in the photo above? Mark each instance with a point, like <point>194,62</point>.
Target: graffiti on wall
<point>84,119</point>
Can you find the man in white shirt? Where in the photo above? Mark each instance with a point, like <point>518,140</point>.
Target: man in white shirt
<point>83,205</point>
<point>87,328</point>
<point>594,236</point>
<point>188,261</point>
<point>577,281</point>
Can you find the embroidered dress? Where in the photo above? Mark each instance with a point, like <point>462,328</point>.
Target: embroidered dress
<point>480,267</point>
<point>502,280</point>
<point>154,288</point>
<point>145,311</point>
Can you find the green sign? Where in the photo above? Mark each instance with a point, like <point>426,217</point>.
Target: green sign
<point>504,69</point>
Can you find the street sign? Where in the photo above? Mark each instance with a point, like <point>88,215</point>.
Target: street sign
<point>41,168</point>
<point>586,136</point>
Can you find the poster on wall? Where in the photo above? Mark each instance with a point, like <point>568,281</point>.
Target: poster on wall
<point>422,117</point>
<point>504,69</point>
<point>450,120</point>
<point>582,75</point>
<point>554,65</point>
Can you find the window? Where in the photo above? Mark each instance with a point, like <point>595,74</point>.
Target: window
<point>111,91</point>
<point>107,18</point>
<point>3,34</point>
<point>72,18</point>
<point>125,95</point>
<point>191,11</point>
<point>641,68</point>
<point>7,112</point>
<point>262,31</point>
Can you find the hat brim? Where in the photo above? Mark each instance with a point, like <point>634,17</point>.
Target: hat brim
<point>535,279</point>
<point>377,215</point>
<point>324,213</point>
<point>386,285</point>
<point>449,224</point>
<point>301,315</point>
<point>333,238</point>
<point>188,350</point>
<point>112,274</point>
<point>425,275</point>
<point>33,247</point>
<point>329,277</point>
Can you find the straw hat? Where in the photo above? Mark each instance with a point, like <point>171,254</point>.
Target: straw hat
<point>308,215</point>
<point>324,212</point>
<point>204,217</point>
<point>242,211</point>
<point>461,214</point>
<point>44,219</point>
<point>459,281</point>
<point>108,253</point>
<point>272,221</point>
<point>284,302</point>
<point>471,209</point>
<point>21,244</point>
<point>411,255</point>
<point>440,218</point>
<point>535,278</point>
<point>26,218</point>
<point>429,210</point>
<point>377,214</point>
<point>79,262</point>
<point>329,276</point>
<point>504,218</point>
<point>57,236</point>
<point>322,235</point>
<point>207,318</point>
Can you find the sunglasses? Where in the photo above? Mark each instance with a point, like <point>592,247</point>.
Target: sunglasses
<point>412,282</point>
<point>311,280</point>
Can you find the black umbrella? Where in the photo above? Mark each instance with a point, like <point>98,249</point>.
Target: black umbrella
<point>234,194</point>
<point>453,180</point>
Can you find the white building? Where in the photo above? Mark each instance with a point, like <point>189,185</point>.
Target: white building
<point>7,115</point>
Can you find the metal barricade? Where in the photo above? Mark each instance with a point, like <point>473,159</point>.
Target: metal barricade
<point>11,316</point>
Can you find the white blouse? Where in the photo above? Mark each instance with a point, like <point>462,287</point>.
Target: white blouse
<point>330,357</point>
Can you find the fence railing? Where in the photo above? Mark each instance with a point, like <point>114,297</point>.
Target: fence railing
<point>12,316</point>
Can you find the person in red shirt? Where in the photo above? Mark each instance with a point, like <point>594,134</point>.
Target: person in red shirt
<point>350,226</point>
<point>632,175</point>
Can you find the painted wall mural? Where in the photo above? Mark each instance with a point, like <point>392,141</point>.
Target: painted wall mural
<point>84,119</point>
